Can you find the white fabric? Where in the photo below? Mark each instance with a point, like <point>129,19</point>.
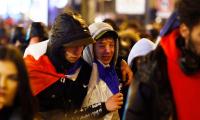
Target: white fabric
<point>98,27</point>
<point>141,48</point>
<point>37,49</point>
<point>98,91</point>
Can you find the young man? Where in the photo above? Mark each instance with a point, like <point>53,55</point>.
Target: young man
<point>167,84</point>
<point>103,55</point>
<point>59,76</point>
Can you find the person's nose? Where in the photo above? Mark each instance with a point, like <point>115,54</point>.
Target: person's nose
<point>107,49</point>
<point>2,82</point>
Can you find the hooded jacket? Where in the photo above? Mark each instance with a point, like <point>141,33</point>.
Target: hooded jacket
<point>98,90</point>
<point>47,57</point>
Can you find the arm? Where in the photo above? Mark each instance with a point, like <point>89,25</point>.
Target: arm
<point>98,110</point>
<point>127,74</point>
<point>93,111</point>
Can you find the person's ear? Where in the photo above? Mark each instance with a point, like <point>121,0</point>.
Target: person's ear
<point>185,32</point>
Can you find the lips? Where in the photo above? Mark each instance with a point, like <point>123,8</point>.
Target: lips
<point>2,93</point>
<point>73,58</point>
<point>106,57</point>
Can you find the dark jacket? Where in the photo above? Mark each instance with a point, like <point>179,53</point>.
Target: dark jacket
<point>13,113</point>
<point>150,95</point>
<point>64,99</point>
<point>67,95</point>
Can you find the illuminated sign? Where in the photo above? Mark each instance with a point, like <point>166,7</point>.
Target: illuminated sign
<point>136,7</point>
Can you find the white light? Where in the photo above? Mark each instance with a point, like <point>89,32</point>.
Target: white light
<point>13,7</point>
<point>136,7</point>
<point>25,6</point>
<point>58,3</point>
<point>39,11</point>
<point>3,7</point>
<point>99,19</point>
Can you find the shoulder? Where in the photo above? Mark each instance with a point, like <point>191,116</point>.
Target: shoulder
<point>151,65</point>
<point>36,50</point>
<point>86,65</point>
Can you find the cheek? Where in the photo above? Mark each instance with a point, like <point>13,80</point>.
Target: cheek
<point>11,91</point>
<point>112,50</point>
<point>196,43</point>
<point>98,52</point>
<point>66,55</point>
<point>80,51</point>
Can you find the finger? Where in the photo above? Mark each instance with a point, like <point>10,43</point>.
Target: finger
<point>119,95</point>
<point>129,78</point>
<point>119,103</point>
<point>116,107</point>
<point>119,107</point>
<point>119,99</point>
<point>123,75</point>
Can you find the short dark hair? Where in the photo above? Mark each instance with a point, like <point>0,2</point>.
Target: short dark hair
<point>109,34</point>
<point>24,99</point>
<point>189,12</point>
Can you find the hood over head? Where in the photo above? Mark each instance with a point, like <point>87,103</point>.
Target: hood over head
<point>98,30</point>
<point>68,30</point>
<point>141,48</point>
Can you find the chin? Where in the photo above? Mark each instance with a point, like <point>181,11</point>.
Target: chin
<point>106,62</point>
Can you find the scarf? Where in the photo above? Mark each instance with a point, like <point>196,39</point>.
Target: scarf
<point>109,76</point>
<point>71,68</point>
<point>41,72</point>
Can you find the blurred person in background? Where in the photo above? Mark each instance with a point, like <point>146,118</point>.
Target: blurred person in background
<point>37,32</point>
<point>112,23</point>
<point>16,99</point>
<point>4,39</point>
<point>129,35</point>
<point>18,34</point>
<point>127,39</point>
<point>167,82</point>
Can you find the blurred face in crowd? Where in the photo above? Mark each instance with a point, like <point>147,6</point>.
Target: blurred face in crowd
<point>72,54</point>
<point>8,83</point>
<point>104,49</point>
<point>192,37</point>
<point>34,40</point>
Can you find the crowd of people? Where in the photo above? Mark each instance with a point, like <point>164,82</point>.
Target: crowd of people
<point>101,71</point>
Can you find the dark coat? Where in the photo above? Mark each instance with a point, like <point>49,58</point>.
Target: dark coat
<point>150,95</point>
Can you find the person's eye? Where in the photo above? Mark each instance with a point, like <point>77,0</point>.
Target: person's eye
<point>102,46</point>
<point>13,77</point>
<point>112,45</point>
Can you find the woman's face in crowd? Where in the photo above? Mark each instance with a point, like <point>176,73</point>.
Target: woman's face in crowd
<point>72,54</point>
<point>8,83</point>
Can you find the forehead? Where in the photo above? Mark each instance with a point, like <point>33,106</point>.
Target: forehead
<point>8,67</point>
<point>105,40</point>
<point>73,47</point>
<point>196,28</point>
